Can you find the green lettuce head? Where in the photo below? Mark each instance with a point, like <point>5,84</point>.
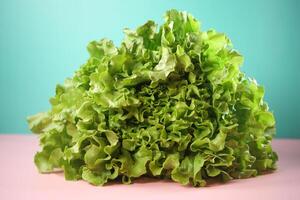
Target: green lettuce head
<point>170,102</point>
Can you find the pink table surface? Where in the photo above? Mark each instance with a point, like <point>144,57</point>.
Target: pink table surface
<point>20,179</point>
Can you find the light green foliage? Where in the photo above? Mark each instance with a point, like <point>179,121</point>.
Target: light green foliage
<point>170,103</point>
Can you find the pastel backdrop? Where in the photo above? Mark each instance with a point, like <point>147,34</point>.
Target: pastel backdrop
<point>43,42</point>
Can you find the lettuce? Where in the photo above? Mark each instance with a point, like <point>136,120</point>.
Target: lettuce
<point>168,103</point>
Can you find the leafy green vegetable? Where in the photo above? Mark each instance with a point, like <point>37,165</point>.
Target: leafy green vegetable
<point>169,103</point>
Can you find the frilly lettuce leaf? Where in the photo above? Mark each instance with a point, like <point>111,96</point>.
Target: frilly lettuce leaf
<point>170,102</point>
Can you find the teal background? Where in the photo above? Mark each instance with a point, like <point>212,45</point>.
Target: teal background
<point>43,42</point>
